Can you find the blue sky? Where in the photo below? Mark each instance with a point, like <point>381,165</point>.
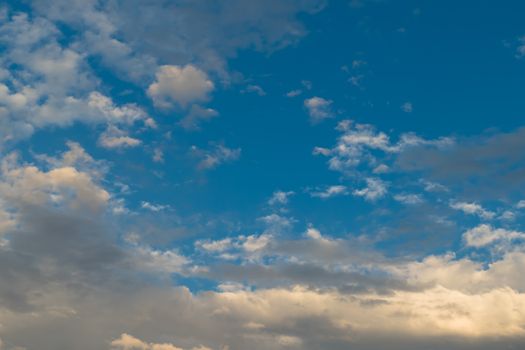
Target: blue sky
<point>261,174</point>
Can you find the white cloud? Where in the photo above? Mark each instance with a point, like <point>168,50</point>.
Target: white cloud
<point>433,186</point>
<point>472,209</point>
<point>331,191</point>
<point>318,109</point>
<point>381,169</point>
<point>358,143</point>
<point>153,207</point>
<point>114,138</point>
<point>408,198</point>
<point>294,93</point>
<point>315,234</point>
<point>374,190</point>
<point>53,84</point>
<point>280,197</point>
<point>64,187</point>
<point>180,84</point>
<point>484,235</point>
<point>215,246</point>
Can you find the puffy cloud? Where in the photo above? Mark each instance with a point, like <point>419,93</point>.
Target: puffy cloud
<point>484,235</point>
<point>114,138</point>
<point>374,190</point>
<point>180,84</point>
<point>190,31</point>
<point>358,145</point>
<point>53,84</point>
<point>65,187</point>
<point>472,209</point>
<point>318,108</point>
<point>129,342</point>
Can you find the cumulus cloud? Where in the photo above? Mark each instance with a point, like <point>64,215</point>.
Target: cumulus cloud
<point>472,209</point>
<point>484,235</point>
<point>181,85</point>
<point>318,108</point>
<point>54,84</point>
<point>129,342</point>
<point>358,144</point>
<point>114,138</point>
<point>374,190</point>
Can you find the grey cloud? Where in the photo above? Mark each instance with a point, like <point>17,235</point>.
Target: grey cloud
<point>493,162</point>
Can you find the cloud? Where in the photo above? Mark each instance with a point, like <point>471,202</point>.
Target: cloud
<point>114,138</point>
<point>408,198</point>
<point>158,155</point>
<point>254,89</point>
<point>181,85</point>
<point>318,109</point>
<point>472,209</point>
<point>484,235</point>
<point>280,197</point>
<point>330,191</point>
<point>128,342</point>
<point>407,107</point>
<point>294,93</point>
<point>153,207</point>
<point>358,144</point>
<point>217,155</point>
<point>489,161</point>
<point>53,84</point>
<point>374,190</point>
<point>191,31</point>
<point>196,116</point>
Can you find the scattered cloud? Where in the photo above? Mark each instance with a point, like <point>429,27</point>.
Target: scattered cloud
<point>280,197</point>
<point>256,89</point>
<point>407,107</point>
<point>330,191</point>
<point>374,190</point>
<point>181,85</point>
<point>114,138</point>
<point>196,116</point>
<point>472,209</point>
<point>294,93</point>
<point>215,156</point>
<point>318,108</point>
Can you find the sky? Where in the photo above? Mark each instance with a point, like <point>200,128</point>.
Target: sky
<point>263,174</point>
